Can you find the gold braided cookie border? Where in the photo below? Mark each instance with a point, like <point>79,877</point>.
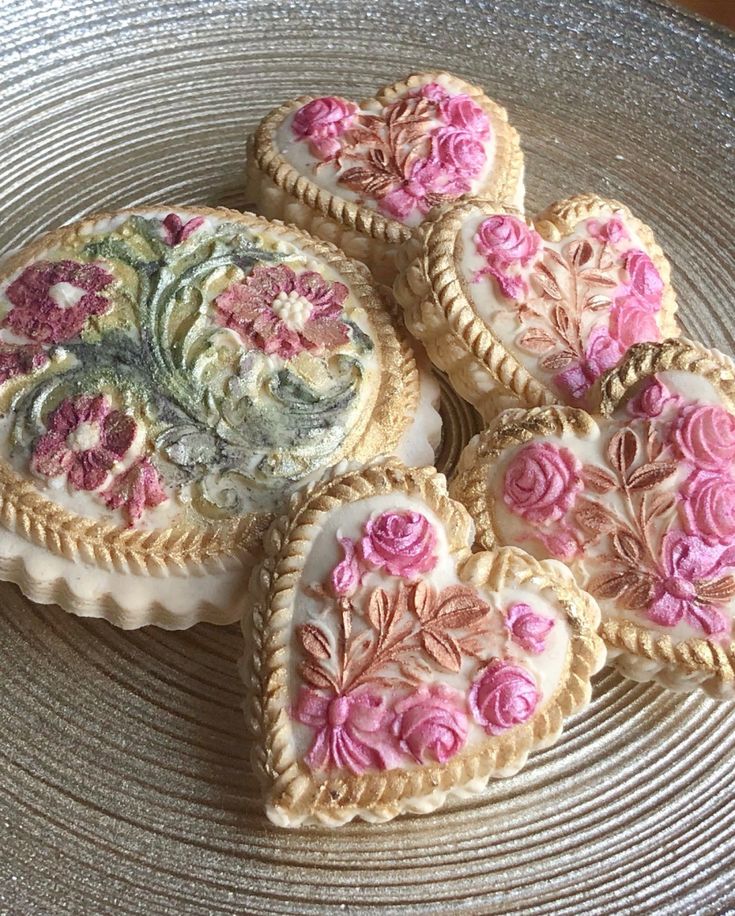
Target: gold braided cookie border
<point>438,303</point>
<point>692,656</point>
<point>646,359</point>
<point>293,796</point>
<point>502,181</point>
<point>187,548</point>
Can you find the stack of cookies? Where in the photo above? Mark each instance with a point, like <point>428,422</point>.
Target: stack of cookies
<point>214,416</point>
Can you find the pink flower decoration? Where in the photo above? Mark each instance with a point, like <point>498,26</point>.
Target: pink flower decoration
<point>612,231</point>
<point>402,543</point>
<point>503,695</point>
<point>602,353</point>
<point>279,311</point>
<point>52,300</point>
<point>456,150</point>
<point>542,481</point>
<point>175,231</point>
<point>321,121</point>
<point>708,506</point>
<point>345,578</point>
<point>651,401</point>
<point>430,724</point>
<point>20,360</point>
<point>528,628</point>
<point>137,489</point>
<point>644,278</point>
<point>704,435</point>
<point>632,321</point>
<point>434,91</point>
<point>505,240</point>
<point>688,562</point>
<point>350,730</point>
<point>84,439</point>
<point>416,191</point>
<point>460,111</point>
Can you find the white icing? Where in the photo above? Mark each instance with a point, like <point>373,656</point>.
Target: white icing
<point>324,552</point>
<point>326,174</point>
<point>65,295</point>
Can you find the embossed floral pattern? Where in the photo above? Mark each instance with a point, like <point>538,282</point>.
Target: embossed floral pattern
<point>425,147</point>
<point>578,308</point>
<point>176,231</point>
<point>279,311</point>
<point>52,300</point>
<point>375,657</point>
<point>402,543</point>
<point>503,695</point>
<point>20,360</point>
<point>653,524</point>
<point>542,481</point>
<point>84,440</point>
<point>137,489</point>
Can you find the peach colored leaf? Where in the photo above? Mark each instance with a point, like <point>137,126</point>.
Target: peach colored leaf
<point>422,601</point>
<point>459,606</point>
<point>598,303</point>
<point>638,593</point>
<point>579,252</point>
<point>377,611</point>
<point>597,479</point>
<point>622,450</point>
<point>597,278</point>
<point>545,280</point>
<point>555,361</point>
<point>442,648</point>
<point>651,475</point>
<point>316,677</point>
<point>536,340</point>
<point>718,590</point>
<point>626,546</point>
<point>608,586</point>
<point>314,641</point>
<point>475,645</point>
<point>593,517</point>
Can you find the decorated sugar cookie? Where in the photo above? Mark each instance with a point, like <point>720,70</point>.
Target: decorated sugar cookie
<point>523,313</point>
<point>640,503</point>
<point>167,377</point>
<point>390,668</point>
<point>365,176</point>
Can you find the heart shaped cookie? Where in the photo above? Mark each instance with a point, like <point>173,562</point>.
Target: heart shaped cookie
<point>365,176</point>
<point>389,668</point>
<point>167,378</point>
<point>639,502</point>
<point>529,313</point>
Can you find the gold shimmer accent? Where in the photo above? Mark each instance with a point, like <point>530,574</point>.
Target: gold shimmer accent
<point>439,309</point>
<point>639,652</point>
<point>280,190</point>
<point>202,547</point>
<point>293,794</point>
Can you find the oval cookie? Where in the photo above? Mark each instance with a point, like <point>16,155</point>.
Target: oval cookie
<point>389,668</point>
<point>167,377</point>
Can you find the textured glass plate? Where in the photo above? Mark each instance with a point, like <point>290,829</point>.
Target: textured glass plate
<point>124,781</point>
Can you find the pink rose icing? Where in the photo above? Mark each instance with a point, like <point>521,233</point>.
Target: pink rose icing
<point>528,628</point>
<point>603,352</point>
<point>612,231</point>
<point>461,111</point>
<point>350,730</point>
<point>458,149</point>
<point>321,121</point>
<point>402,543</point>
<point>506,240</point>
<point>542,481</point>
<point>345,577</point>
<point>632,321</point>
<point>430,724</point>
<point>687,561</point>
<point>704,435</point>
<point>651,401</point>
<point>503,695</point>
<point>645,279</point>
<point>708,506</point>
